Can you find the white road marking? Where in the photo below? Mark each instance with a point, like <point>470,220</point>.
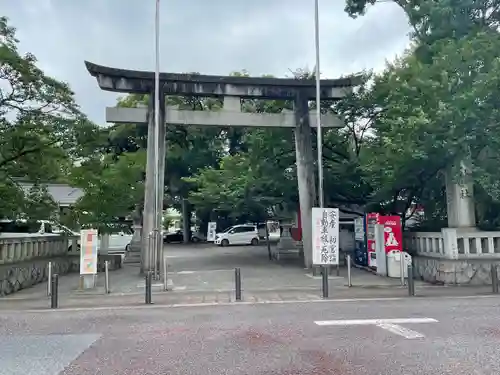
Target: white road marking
<point>202,271</point>
<point>373,321</point>
<point>401,331</point>
<point>154,285</point>
<point>312,276</point>
<point>391,325</point>
<point>319,277</point>
<point>229,304</point>
<point>202,304</point>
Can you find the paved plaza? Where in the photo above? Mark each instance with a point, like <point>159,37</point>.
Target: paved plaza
<point>204,274</point>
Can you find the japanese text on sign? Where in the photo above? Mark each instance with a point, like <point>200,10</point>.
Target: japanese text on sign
<point>325,233</point>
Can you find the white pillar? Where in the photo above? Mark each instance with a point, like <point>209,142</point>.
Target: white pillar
<point>460,199</point>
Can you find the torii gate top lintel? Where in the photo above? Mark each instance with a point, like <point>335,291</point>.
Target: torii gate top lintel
<point>142,82</point>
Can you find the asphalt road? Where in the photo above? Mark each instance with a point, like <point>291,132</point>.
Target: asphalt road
<point>418,336</point>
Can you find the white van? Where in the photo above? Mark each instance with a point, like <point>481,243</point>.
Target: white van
<point>246,234</point>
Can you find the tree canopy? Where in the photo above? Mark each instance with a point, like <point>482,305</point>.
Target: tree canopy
<point>42,130</point>
<point>434,106</point>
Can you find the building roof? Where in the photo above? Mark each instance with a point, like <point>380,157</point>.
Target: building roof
<point>63,194</point>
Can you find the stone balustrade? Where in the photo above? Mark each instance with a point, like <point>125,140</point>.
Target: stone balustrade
<point>454,256</point>
<point>21,249</point>
<point>479,244</point>
<point>24,260</point>
<point>428,243</point>
<point>451,243</point>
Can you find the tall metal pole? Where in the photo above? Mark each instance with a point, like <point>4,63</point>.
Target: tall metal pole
<point>318,107</point>
<point>319,132</point>
<point>157,137</point>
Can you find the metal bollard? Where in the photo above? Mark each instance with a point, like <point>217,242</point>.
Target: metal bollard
<point>160,255</point>
<point>349,279</point>
<point>54,292</point>
<point>411,282</point>
<point>151,249</point>
<point>237,281</point>
<point>49,279</point>
<point>106,277</point>
<point>165,275</point>
<point>402,268</point>
<point>325,281</point>
<point>148,287</point>
<point>155,254</point>
<point>338,269</point>
<point>494,278</point>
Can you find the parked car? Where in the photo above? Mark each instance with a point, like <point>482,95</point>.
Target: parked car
<point>245,234</point>
<point>119,243</point>
<point>178,236</point>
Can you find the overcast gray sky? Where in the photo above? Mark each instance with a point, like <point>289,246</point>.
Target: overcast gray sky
<point>206,36</point>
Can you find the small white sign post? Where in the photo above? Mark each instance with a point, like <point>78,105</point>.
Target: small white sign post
<point>88,257</point>
<point>212,227</point>
<point>325,233</point>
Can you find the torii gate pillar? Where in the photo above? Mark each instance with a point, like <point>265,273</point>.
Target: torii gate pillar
<point>232,89</point>
<point>305,174</point>
<point>150,200</point>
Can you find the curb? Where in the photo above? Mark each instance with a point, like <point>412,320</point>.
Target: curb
<point>234,304</point>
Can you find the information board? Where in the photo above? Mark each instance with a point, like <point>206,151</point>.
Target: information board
<point>325,236</point>
<point>88,252</point>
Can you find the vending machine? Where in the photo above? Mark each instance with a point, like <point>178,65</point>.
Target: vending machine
<point>360,253</point>
<point>371,220</point>
<point>393,235</point>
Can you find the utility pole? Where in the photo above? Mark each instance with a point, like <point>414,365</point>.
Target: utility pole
<point>318,108</point>
<point>158,189</point>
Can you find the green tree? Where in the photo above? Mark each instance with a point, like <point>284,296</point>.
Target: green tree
<point>437,107</point>
<point>112,188</point>
<point>433,20</point>
<point>41,127</point>
<point>187,151</point>
<point>39,204</point>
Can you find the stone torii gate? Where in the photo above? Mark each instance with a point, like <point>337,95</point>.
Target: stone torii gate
<point>232,90</point>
